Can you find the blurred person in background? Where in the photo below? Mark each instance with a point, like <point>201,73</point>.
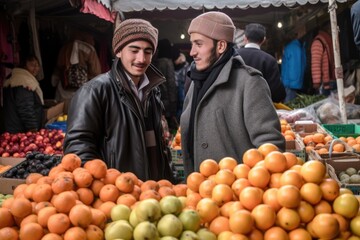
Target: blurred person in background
<point>23,98</point>
<point>255,36</point>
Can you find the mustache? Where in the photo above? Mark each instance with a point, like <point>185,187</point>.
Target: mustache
<point>141,65</point>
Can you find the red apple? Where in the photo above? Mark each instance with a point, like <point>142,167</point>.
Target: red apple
<point>49,150</point>
<point>16,155</point>
<point>5,154</point>
<point>23,138</point>
<point>33,146</point>
<point>39,138</point>
<point>4,143</point>
<point>14,138</point>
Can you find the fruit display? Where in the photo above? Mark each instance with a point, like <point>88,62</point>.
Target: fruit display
<point>350,175</point>
<point>286,130</point>
<point>45,141</point>
<point>62,118</point>
<point>176,141</point>
<point>268,196</point>
<point>154,219</point>
<point>35,162</point>
<point>353,142</point>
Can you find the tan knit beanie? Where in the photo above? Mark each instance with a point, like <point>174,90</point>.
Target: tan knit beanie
<point>214,25</point>
<point>132,30</point>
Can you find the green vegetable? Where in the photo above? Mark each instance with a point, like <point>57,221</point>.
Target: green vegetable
<point>304,100</point>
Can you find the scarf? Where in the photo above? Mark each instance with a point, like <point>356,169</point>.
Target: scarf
<point>22,78</point>
<point>202,82</point>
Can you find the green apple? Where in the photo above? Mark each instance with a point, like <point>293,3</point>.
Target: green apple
<point>170,225</point>
<point>189,235</point>
<point>168,238</point>
<point>355,226</point>
<point>183,201</point>
<point>170,204</point>
<point>119,229</point>
<point>120,212</point>
<point>191,219</point>
<point>206,234</point>
<point>148,210</point>
<point>145,230</point>
<point>133,219</point>
<point>225,235</point>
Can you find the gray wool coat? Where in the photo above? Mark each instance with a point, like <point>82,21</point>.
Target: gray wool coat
<point>235,114</point>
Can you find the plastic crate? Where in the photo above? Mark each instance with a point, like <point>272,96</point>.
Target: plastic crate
<point>57,125</point>
<point>343,130</point>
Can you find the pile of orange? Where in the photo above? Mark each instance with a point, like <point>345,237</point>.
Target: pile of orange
<point>176,142</point>
<point>271,196</point>
<point>353,142</point>
<point>286,130</point>
<point>74,202</point>
<point>320,142</point>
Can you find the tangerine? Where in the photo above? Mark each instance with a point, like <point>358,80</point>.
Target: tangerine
<point>241,222</point>
<point>252,156</point>
<point>208,167</point>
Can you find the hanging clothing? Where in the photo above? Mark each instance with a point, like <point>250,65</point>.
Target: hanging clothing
<point>99,10</point>
<point>322,60</point>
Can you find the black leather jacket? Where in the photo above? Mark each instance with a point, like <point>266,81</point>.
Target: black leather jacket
<point>106,121</point>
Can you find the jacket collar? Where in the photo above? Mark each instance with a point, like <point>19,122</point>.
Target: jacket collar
<point>153,74</point>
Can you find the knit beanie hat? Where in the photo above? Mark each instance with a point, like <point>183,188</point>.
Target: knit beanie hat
<point>132,30</point>
<point>255,32</point>
<point>214,25</point>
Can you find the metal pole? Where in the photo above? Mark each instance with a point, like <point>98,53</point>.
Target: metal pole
<point>338,67</point>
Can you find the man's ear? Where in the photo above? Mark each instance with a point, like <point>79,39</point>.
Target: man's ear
<point>262,42</point>
<point>221,46</point>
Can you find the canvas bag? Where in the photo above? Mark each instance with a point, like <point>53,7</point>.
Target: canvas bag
<point>74,77</point>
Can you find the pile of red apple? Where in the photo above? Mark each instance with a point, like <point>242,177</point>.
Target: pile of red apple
<point>48,141</point>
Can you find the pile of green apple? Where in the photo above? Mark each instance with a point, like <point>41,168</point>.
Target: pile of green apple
<point>166,219</point>
<point>3,197</point>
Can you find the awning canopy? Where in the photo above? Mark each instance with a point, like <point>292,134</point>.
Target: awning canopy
<point>150,5</point>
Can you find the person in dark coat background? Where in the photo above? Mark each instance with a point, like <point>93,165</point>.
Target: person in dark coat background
<point>23,98</point>
<point>163,61</point>
<point>255,36</point>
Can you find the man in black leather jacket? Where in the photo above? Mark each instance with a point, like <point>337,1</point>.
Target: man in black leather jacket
<point>116,116</point>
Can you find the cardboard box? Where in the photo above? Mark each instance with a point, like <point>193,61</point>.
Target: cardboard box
<point>7,185</point>
<point>53,109</point>
<point>340,163</point>
<point>308,128</point>
<point>11,161</point>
